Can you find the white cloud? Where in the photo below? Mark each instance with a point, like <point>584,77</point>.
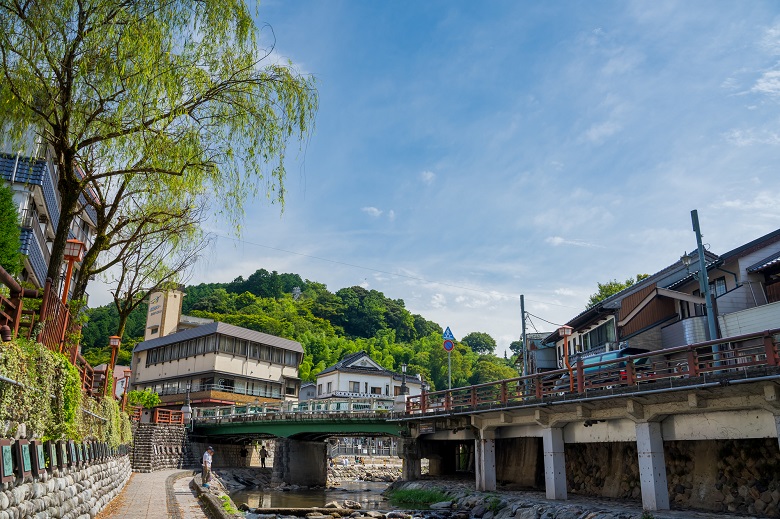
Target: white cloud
<point>599,132</point>
<point>372,211</point>
<point>768,83</point>
<point>391,215</point>
<point>557,241</point>
<point>428,177</point>
<point>763,203</point>
<point>438,301</point>
<point>750,137</point>
<point>565,292</point>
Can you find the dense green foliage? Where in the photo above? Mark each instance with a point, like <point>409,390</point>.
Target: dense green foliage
<point>329,326</point>
<point>480,342</point>
<point>611,288</point>
<point>146,398</point>
<point>49,400</point>
<point>10,258</point>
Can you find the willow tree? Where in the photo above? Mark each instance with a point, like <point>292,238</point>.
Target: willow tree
<point>169,91</point>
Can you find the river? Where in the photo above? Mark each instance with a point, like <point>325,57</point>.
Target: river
<point>367,493</point>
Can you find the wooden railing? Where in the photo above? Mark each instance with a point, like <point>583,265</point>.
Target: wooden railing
<point>732,357</point>
<point>167,416</point>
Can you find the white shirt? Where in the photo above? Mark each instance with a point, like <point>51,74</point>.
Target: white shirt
<point>207,459</point>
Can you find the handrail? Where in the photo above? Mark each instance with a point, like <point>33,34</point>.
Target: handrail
<point>676,362</point>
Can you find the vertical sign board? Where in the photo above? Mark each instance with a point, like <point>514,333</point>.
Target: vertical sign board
<point>23,459</point>
<point>38,458</point>
<point>62,458</point>
<point>87,453</point>
<point>79,454</point>
<point>73,460</point>
<point>51,452</point>
<point>6,462</point>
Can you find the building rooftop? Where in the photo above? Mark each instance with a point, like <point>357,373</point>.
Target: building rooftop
<point>222,329</point>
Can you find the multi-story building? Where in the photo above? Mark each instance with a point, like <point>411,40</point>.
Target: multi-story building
<point>667,308</point>
<point>29,169</point>
<point>216,363</point>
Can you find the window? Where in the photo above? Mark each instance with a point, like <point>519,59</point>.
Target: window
<point>718,287</point>
<point>278,356</point>
<point>289,390</point>
<point>201,346</point>
<point>330,387</point>
<point>354,387</point>
<point>154,330</point>
<point>211,343</point>
<point>226,344</point>
<point>241,347</point>
<point>387,389</point>
<point>254,351</point>
<point>599,336</point>
<point>290,358</point>
<point>376,390</point>
<point>319,389</point>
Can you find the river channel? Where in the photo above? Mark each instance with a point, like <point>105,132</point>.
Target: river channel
<point>367,493</point>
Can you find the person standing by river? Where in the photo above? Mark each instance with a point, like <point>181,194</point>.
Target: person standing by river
<point>263,455</point>
<point>207,458</point>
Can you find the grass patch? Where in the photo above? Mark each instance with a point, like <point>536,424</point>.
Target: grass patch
<point>415,497</point>
<point>227,505</point>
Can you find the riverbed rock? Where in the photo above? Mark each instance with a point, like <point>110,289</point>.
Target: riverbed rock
<point>442,505</point>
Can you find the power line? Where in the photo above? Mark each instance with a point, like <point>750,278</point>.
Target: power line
<point>380,271</point>
<point>545,320</point>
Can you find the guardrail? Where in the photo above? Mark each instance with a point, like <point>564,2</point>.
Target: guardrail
<point>263,412</point>
<point>730,357</point>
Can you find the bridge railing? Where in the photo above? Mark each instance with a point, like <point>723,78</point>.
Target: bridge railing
<point>727,357</point>
<point>288,412</point>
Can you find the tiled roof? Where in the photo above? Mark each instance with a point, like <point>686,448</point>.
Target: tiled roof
<point>222,329</point>
<point>27,172</point>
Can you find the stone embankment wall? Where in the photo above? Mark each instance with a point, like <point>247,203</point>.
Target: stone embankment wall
<point>373,469</point>
<point>741,476</point>
<point>160,446</point>
<point>67,492</point>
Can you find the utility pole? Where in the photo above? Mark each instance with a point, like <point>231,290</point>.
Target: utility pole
<point>523,337</point>
<point>704,285</point>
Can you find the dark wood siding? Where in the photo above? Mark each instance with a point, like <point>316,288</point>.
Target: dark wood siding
<point>658,310</point>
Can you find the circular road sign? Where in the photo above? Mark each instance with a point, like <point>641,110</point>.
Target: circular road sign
<point>448,345</point>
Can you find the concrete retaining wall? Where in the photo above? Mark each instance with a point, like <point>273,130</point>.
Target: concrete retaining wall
<point>66,492</point>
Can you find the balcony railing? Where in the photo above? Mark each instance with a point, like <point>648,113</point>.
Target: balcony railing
<point>273,393</point>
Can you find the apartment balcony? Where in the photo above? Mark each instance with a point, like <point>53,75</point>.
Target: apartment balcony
<point>218,394</point>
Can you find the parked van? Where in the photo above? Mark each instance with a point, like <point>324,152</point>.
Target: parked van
<point>591,364</point>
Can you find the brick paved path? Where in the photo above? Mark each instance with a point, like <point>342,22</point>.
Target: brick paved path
<point>156,495</point>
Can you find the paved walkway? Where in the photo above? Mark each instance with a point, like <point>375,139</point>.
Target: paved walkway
<point>154,495</point>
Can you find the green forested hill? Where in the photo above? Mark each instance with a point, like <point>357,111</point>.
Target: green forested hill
<point>328,325</point>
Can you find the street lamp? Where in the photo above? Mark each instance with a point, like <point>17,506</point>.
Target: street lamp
<point>404,389</point>
<point>565,331</point>
<point>114,341</point>
<point>74,251</point>
<point>186,409</point>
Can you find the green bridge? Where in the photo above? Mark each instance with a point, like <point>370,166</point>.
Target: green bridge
<point>297,426</point>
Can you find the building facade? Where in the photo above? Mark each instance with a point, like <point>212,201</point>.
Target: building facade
<point>359,376</point>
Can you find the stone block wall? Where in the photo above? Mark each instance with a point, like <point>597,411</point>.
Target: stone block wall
<point>160,446</point>
<point>67,492</point>
<point>741,476</point>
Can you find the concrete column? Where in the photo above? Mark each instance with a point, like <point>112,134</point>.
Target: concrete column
<point>485,464</point>
<point>554,463</point>
<point>777,427</point>
<point>652,466</point>
<point>300,463</point>
<point>409,452</point>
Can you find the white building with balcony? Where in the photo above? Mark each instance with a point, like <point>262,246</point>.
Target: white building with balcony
<point>359,376</point>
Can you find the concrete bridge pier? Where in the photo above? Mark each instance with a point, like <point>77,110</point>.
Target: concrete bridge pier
<point>409,452</point>
<point>652,466</point>
<point>301,463</point>
<point>485,461</point>
<point>554,463</point>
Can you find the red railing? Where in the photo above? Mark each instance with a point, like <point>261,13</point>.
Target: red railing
<point>728,357</point>
<point>167,416</point>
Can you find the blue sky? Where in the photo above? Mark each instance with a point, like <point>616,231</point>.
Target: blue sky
<point>469,152</point>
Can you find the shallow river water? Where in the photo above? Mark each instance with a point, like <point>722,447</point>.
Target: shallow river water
<point>367,493</point>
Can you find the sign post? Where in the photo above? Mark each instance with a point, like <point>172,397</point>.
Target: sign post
<point>449,344</point>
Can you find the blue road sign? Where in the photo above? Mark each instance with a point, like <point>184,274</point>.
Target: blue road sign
<point>448,344</point>
<point>448,334</point>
